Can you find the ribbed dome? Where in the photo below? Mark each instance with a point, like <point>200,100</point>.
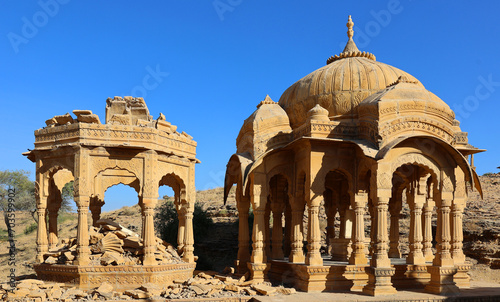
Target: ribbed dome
<point>341,85</point>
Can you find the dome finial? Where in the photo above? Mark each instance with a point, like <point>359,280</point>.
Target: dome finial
<point>349,25</point>
<point>350,50</point>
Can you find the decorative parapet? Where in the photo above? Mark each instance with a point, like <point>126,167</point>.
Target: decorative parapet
<point>113,136</point>
<point>324,129</point>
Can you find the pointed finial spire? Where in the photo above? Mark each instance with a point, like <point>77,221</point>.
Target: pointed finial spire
<point>349,25</point>
<point>350,50</point>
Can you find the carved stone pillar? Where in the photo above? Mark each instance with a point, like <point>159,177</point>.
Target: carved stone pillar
<point>188,255</point>
<point>415,256</point>
<point>380,270</point>
<point>82,235</point>
<point>394,209</point>
<point>314,237</point>
<point>373,228</point>
<point>41,235</point>
<point>358,255</point>
<point>149,232</point>
<point>427,230</point>
<point>331,211</point>
<point>443,267</point>
<point>53,238</point>
<point>181,231</point>
<point>258,261</point>
<point>457,238</point>
<point>297,254</point>
<point>243,237</point>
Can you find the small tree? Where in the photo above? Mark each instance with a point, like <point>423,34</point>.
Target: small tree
<point>22,197</point>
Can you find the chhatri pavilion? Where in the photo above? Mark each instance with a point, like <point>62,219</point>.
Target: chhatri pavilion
<point>359,139</point>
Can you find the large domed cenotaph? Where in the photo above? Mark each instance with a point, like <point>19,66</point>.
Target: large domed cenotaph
<point>355,137</point>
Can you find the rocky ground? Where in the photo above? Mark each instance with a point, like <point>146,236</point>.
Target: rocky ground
<point>481,235</point>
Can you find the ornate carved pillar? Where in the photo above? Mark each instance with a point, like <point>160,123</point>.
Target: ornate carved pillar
<point>331,211</point>
<point>457,252</point>
<point>243,233</point>
<point>358,256</point>
<point>258,194</point>
<point>53,239</point>
<point>427,230</point>
<point>443,267</point>
<point>297,254</point>
<point>149,232</point>
<point>181,231</point>
<point>188,255</point>
<point>380,270</point>
<point>313,237</point>
<point>373,228</point>
<point>82,235</point>
<point>416,199</point>
<point>41,235</point>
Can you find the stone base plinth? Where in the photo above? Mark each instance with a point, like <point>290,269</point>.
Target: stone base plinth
<point>379,281</point>
<point>442,281</point>
<point>121,277</point>
<point>258,271</point>
<point>318,278</point>
<point>462,278</point>
<point>410,276</point>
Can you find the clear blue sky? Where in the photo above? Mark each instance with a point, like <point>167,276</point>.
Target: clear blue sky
<point>216,60</point>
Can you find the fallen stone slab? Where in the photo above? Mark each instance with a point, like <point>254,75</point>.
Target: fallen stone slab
<point>263,289</point>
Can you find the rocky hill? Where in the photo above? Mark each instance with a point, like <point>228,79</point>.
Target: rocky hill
<point>481,232</point>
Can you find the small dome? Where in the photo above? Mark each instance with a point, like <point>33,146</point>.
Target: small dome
<point>341,85</point>
<point>318,113</point>
<point>259,129</point>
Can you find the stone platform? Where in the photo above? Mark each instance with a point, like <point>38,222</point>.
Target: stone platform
<point>121,277</point>
<point>338,276</point>
<point>478,292</point>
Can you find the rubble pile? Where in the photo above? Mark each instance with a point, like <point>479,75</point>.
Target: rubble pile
<point>112,244</point>
<point>203,285</point>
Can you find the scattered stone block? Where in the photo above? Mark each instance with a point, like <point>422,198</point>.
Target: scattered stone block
<point>201,289</point>
<point>105,290</point>
<point>264,289</point>
<point>232,287</point>
<point>136,294</point>
<point>250,291</point>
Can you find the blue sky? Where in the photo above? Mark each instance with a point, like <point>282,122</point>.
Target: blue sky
<point>214,61</point>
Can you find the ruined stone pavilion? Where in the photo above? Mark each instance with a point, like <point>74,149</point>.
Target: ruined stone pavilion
<point>130,148</point>
<point>359,138</point>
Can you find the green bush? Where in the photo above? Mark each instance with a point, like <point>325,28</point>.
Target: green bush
<point>30,228</point>
<point>167,223</point>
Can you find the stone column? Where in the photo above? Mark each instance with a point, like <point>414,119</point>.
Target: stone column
<point>394,209</point>
<point>373,228</point>
<point>415,256</point>
<point>277,238</point>
<point>53,238</point>
<point>41,235</point>
<point>380,270</point>
<point>188,255</point>
<point>427,230</point>
<point>181,231</point>
<point>149,232</point>
<point>258,261</point>
<point>243,236</point>
<point>457,252</point>
<point>358,256</point>
<point>82,235</point>
<point>331,211</point>
<point>443,267</point>
<point>314,237</point>
<point>297,254</point>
